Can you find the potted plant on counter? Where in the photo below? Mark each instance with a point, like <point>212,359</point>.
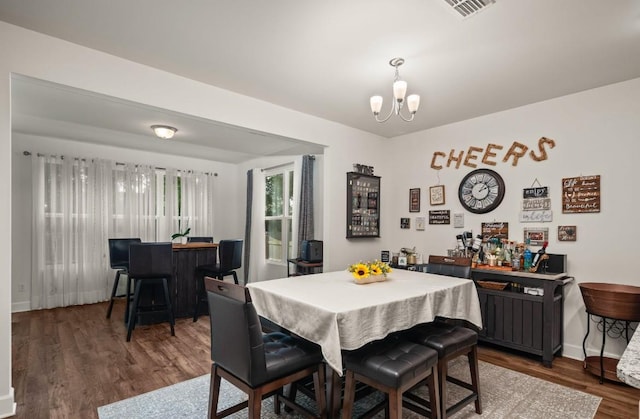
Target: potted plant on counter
<point>181,237</point>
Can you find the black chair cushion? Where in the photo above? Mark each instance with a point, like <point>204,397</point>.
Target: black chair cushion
<point>391,362</point>
<point>285,354</point>
<point>444,338</point>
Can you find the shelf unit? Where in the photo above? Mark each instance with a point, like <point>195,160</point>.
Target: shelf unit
<point>363,205</point>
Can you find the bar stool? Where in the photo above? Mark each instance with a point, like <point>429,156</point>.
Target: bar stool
<point>450,342</point>
<point>150,264</point>
<point>119,260</point>
<point>392,366</point>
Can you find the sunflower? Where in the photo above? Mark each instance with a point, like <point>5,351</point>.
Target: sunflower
<point>375,269</point>
<point>360,271</point>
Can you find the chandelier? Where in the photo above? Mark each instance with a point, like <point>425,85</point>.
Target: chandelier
<point>399,92</point>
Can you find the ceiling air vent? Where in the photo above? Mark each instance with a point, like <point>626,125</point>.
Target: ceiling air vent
<point>468,8</point>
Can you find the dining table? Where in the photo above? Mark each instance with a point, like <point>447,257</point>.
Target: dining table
<point>339,314</point>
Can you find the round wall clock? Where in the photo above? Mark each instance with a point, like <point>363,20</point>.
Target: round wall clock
<point>481,191</point>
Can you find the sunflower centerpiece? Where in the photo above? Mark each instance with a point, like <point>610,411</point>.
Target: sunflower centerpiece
<point>366,272</point>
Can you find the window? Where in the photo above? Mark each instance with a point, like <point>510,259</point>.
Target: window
<point>278,214</point>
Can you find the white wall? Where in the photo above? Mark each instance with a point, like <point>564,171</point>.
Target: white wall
<point>40,56</point>
<point>597,132</point>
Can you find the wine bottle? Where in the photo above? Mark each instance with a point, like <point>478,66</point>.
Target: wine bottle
<point>536,258</point>
<point>477,243</point>
<point>459,241</point>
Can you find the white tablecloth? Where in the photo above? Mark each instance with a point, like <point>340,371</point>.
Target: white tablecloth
<point>336,313</point>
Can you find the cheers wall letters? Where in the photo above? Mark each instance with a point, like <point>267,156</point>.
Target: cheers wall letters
<point>489,153</point>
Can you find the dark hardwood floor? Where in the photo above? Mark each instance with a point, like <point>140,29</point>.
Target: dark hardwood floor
<point>67,362</point>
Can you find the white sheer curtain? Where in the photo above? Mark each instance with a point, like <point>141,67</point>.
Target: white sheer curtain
<point>135,202</point>
<point>79,204</point>
<point>196,212</point>
<point>71,217</point>
<point>257,260</point>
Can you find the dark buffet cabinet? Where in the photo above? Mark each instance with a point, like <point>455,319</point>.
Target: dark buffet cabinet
<point>521,321</point>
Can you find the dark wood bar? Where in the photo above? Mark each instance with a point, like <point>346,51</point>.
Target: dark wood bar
<point>186,257</point>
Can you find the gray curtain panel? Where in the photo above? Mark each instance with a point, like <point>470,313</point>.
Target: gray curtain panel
<point>305,222</point>
<point>247,231</point>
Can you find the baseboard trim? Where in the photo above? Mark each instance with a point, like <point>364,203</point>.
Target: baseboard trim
<point>575,352</point>
<point>20,306</point>
<point>7,405</point>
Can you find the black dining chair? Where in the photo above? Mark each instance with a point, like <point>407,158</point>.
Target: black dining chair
<point>119,260</point>
<point>256,363</point>
<point>150,269</point>
<point>230,259</point>
<point>202,239</point>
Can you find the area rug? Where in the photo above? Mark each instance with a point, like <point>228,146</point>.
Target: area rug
<point>505,394</point>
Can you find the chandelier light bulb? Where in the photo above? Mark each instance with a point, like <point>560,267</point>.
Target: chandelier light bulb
<point>413,103</point>
<point>376,104</point>
<point>399,90</point>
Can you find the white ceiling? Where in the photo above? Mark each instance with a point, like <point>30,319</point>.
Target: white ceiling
<point>327,58</point>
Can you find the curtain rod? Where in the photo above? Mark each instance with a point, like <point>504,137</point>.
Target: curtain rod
<point>277,166</point>
<point>28,153</point>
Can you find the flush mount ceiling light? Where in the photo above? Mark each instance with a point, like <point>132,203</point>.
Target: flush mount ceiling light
<point>164,131</point>
<point>399,92</point>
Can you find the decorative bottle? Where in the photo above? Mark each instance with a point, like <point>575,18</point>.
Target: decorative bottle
<point>527,256</point>
<point>538,255</point>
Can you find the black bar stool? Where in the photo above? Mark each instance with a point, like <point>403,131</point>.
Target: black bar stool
<point>119,260</point>
<point>150,264</point>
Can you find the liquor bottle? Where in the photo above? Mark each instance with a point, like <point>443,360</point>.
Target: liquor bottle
<point>507,254</point>
<point>459,241</point>
<point>477,243</point>
<point>536,258</point>
<point>515,260</point>
<point>527,256</point>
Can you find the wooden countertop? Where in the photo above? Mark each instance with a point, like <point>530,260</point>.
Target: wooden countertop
<point>178,246</point>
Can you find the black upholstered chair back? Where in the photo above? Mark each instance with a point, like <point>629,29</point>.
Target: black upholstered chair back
<point>236,334</point>
<point>119,252</point>
<point>196,239</point>
<point>230,252</point>
<point>451,266</point>
<point>150,260</point>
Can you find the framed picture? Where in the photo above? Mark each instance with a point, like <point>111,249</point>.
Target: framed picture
<point>414,200</point>
<point>420,223</point>
<point>405,223</point>
<point>536,236</point>
<point>402,261</point>
<point>567,233</point>
<point>436,195</point>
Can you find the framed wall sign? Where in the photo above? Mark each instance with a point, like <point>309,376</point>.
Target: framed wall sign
<point>536,236</point>
<point>414,200</point>
<point>420,223</point>
<point>581,194</point>
<point>405,222</point>
<point>436,195</point>
<point>567,233</point>
<point>363,205</point>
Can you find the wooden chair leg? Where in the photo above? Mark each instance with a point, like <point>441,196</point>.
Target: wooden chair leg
<point>395,404</point>
<point>434,393</point>
<point>319,387</point>
<point>255,404</point>
<point>214,392</point>
<point>443,367</point>
<point>475,382</point>
<point>349,395</point>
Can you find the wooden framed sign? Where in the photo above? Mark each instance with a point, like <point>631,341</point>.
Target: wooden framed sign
<point>581,194</point>
<point>567,233</point>
<point>414,200</point>
<point>541,192</point>
<point>494,230</point>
